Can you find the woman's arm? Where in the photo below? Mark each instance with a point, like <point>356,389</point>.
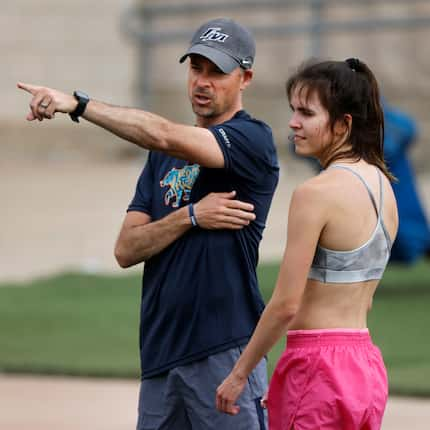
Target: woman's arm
<point>306,220</point>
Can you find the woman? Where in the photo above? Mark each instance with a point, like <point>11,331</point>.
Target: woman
<point>341,226</point>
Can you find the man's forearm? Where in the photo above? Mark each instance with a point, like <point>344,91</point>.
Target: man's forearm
<point>145,129</point>
<point>141,242</point>
<point>142,128</point>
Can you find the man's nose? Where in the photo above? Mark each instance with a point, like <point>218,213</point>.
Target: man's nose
<point>203,80</point>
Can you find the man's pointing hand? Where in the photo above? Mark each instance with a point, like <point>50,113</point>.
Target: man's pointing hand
<point>46,101</point>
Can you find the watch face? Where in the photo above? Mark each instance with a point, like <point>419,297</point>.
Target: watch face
<point>81,95</point>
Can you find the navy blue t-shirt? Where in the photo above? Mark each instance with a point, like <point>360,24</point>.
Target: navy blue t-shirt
<point>200,294</point>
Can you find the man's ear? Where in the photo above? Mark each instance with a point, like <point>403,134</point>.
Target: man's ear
<point>246,78</point>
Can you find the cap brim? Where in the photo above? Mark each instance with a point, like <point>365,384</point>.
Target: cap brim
<point>223,61</point>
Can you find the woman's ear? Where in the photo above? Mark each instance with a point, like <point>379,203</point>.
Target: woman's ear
<point>343,127</point>
<point>348,121</point>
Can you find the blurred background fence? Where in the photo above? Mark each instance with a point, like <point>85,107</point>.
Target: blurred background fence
<point>292,20</point>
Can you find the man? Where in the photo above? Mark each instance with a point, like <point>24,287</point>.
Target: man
<point>200,297</point>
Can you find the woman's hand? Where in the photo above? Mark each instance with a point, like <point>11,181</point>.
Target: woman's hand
<point>228,392</point>
<point>263,400</point>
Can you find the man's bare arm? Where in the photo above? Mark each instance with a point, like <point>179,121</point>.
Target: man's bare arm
<point>145,129</point>
<point>141,239</point>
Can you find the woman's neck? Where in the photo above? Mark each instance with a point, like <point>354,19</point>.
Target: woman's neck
<point>346,160</point>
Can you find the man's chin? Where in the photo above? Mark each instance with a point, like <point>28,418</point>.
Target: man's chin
<point>205,112</point>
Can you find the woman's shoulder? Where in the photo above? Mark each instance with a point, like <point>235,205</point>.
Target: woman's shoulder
<point>319,193</point>
<point>319,185</point>
<point>313,191</point>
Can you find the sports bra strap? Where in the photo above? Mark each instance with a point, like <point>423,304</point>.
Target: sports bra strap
<point>369,191</point>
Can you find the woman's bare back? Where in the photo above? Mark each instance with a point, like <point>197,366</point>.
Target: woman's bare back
<point>351,220</point>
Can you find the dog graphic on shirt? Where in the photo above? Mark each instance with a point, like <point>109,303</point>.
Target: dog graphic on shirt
<point>180,183</point>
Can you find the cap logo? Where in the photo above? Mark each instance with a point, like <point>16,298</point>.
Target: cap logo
<point>213,34</point>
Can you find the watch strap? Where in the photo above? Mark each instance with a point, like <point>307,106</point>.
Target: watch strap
<point>80,108</point>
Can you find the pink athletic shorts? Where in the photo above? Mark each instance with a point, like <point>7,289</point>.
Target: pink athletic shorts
<point>328,379</point>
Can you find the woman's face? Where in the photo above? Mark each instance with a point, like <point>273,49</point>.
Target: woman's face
<point>309,123</point>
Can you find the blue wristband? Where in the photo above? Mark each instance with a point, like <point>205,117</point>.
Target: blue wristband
<point>192,216</point>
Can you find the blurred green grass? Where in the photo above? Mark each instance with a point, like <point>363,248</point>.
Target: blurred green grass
<point>87,325</point>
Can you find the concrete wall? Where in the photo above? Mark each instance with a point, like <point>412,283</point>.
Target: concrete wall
<point>66,45</point>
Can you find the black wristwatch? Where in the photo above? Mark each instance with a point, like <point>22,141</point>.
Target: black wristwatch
<point>83,100</point>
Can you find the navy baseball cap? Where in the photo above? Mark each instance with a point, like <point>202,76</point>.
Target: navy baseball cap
<point>224,42</point>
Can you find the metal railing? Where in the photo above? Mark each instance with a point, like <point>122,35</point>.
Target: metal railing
<point>138,23</point>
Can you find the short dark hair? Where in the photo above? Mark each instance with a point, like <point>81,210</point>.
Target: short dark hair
<point>347,87</point>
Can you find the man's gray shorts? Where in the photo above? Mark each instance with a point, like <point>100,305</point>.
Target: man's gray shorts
<point>184,398</point>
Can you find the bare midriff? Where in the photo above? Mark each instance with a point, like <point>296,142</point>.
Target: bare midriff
<point>330,305</point>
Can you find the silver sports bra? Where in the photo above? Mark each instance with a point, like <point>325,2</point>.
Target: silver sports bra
<point>364,263</point>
